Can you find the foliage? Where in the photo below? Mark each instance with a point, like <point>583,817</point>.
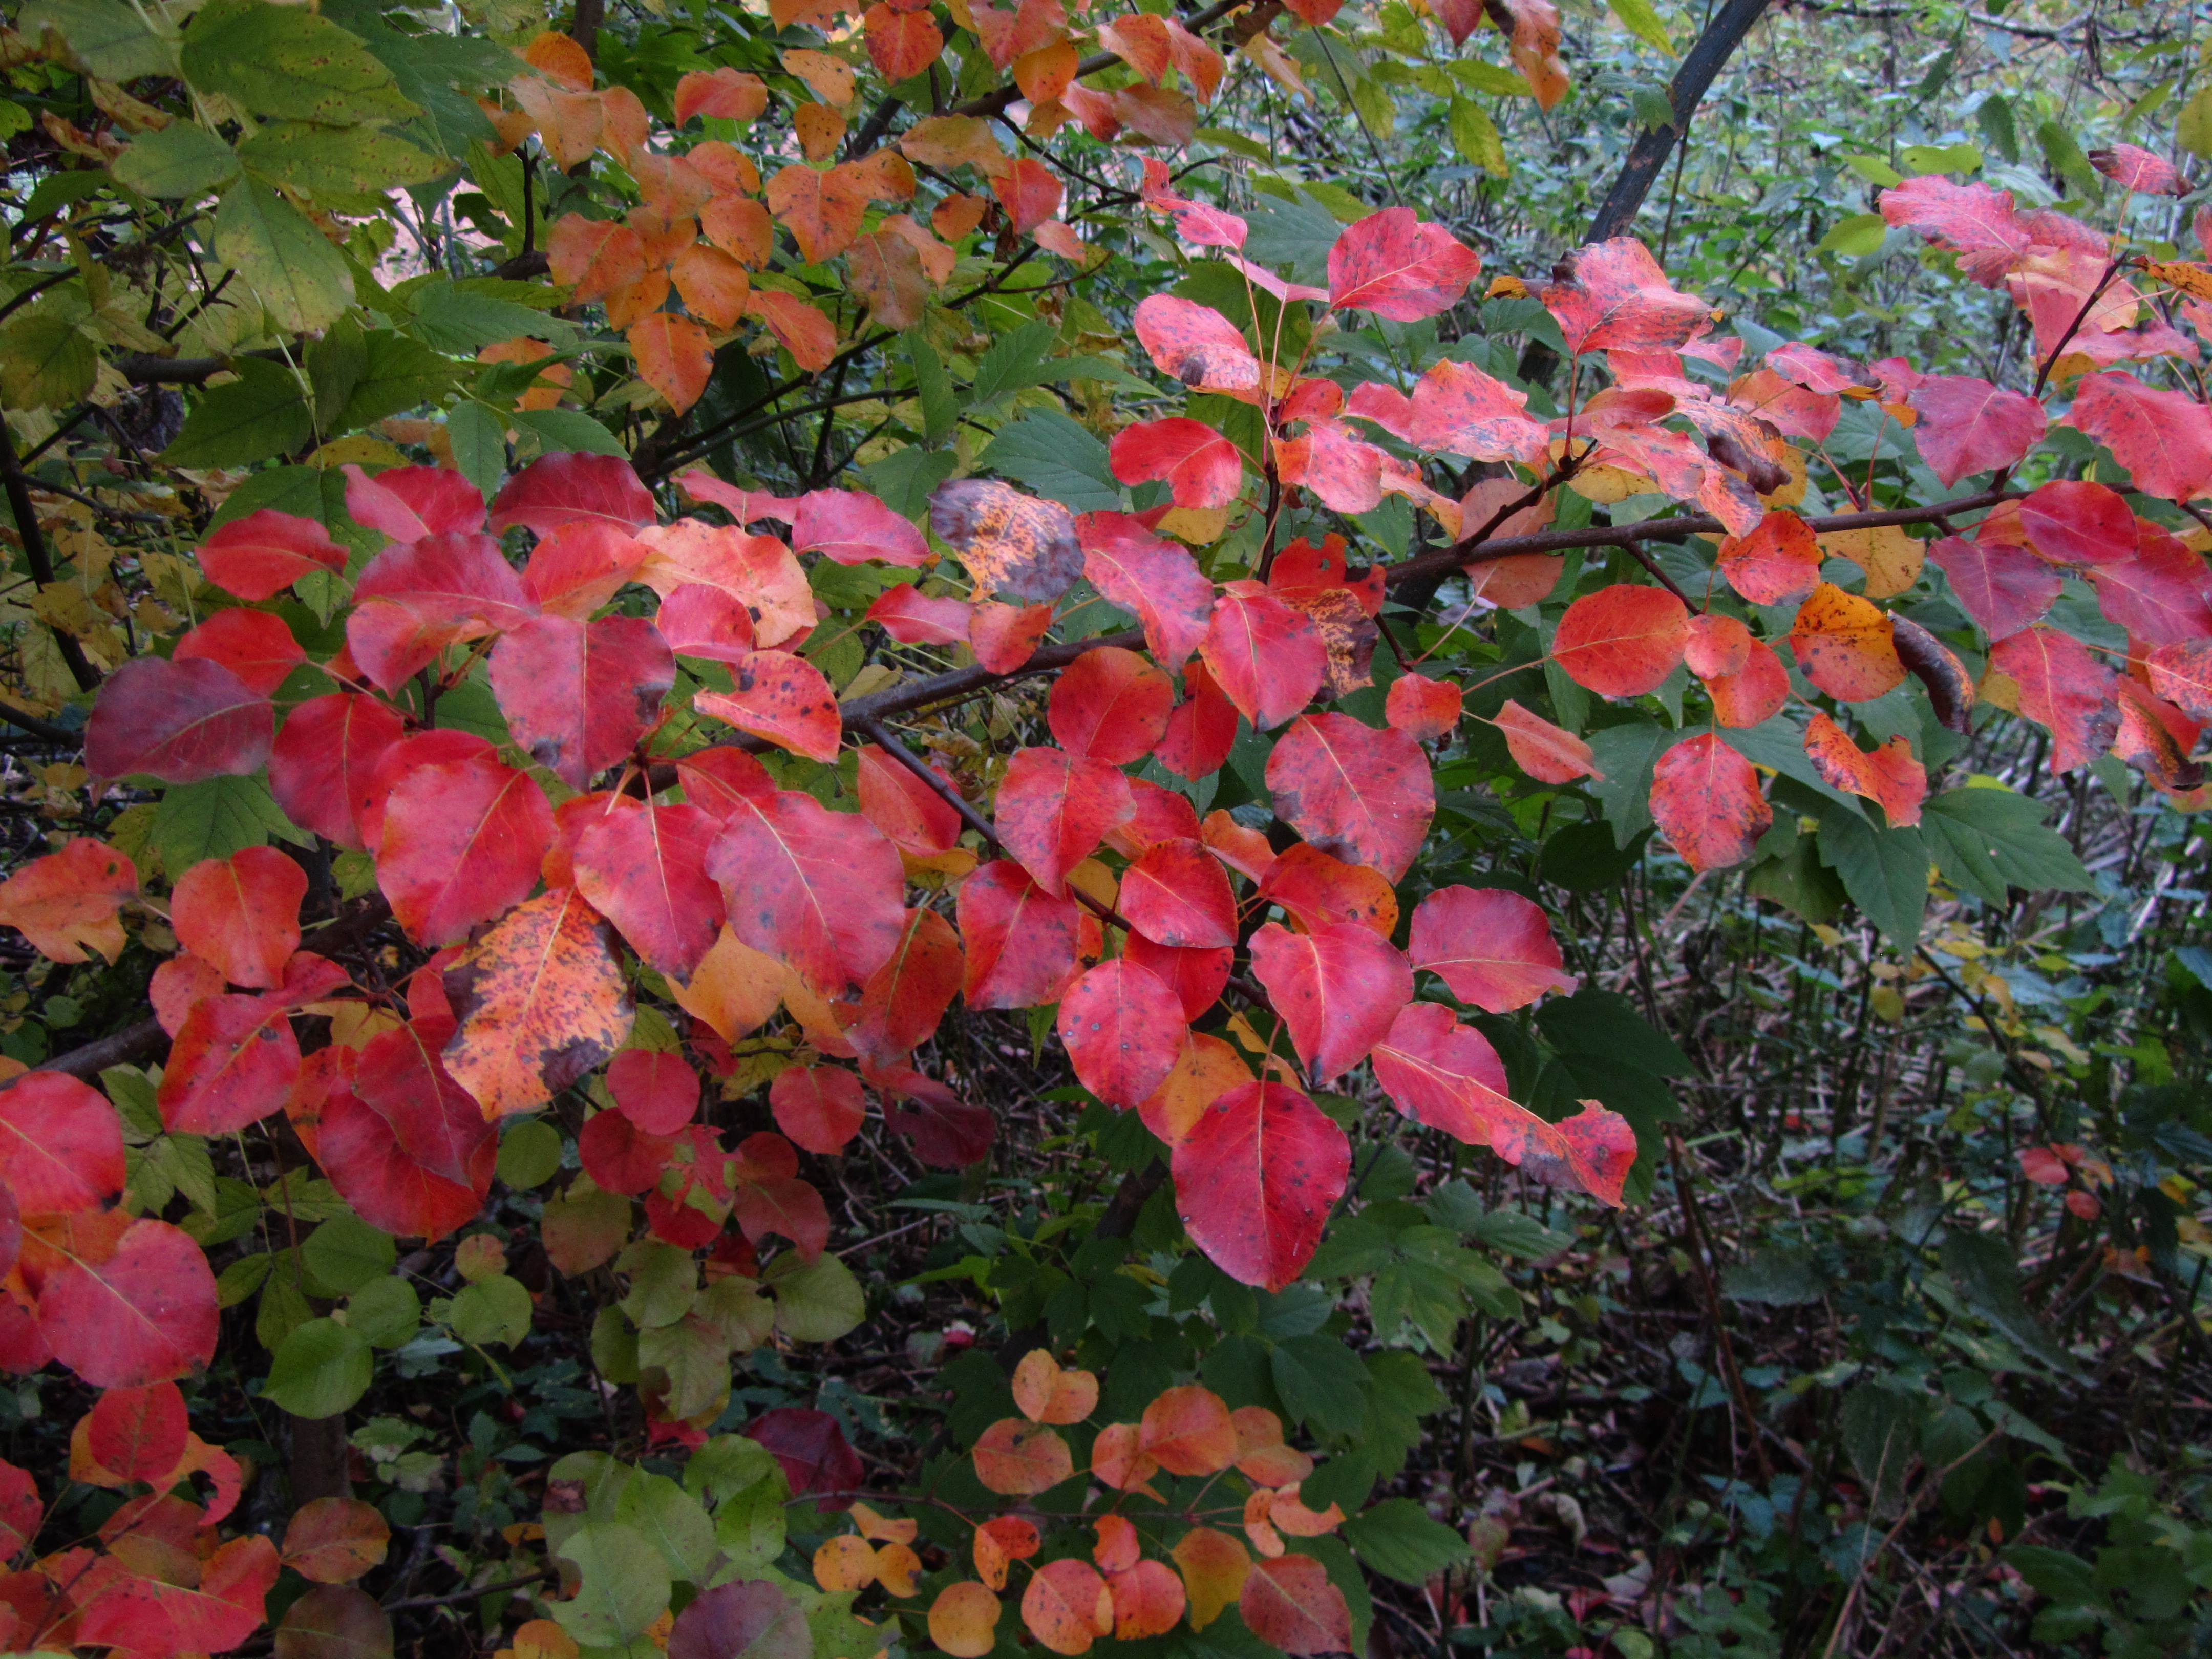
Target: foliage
<point>1207,638</point>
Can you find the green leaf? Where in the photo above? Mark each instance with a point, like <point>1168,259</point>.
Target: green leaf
<point>726,1465</point>
<point>1493,78</point>
<point>1874,170</point>
<point>1014,362</point>
<point>321,1369</point>
<point>1985,839</point>
<point>1641,19</point>
<point>291,266</point>
<point>334,364</point>
<point>1613,1055</point>
<point>1056,458</point>
<point>1777,1275</point>
<point>495,1308</point>
<point>1294,232</point>
<point>1855,237</point>
<point>352,162</point>
<point>818,1302</point>
<point>566,429</point>
<point>181,160</point>
<point>1477,137</point>
<point>750,1525</point>
<point>2192,125</point>
<point>1881,1435</point>
<point>288,62</point>
<point>1320,1382</point>
<point>214,819</point>
<point>1626,754</point>
<point>672,1519</point>
<point>1986,1272</point>
<point>529,1154</point>
<point>46,359</point>
<point>455,320</point>
<point>260,414</point>
<point>398,373</point>
<point>941,408</point>
<point>905,478</point>
<point>663,1279</point>
<point>624,1587</point>
<point>1884,870</point>
<point>346,1253</point>
<point>110,37</point>
<point>1397,1540</point>
<point>386,1311</point>
<point>1940,158</point>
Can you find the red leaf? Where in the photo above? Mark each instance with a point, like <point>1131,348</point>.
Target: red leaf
<point>2182,674</point>
<point>1124,1029</point>
<point>461,844</point>
<point>821,1108</point>
<point>235,1060</point>
<point>1546,753</point>
<point>2133,167</point>
<point>2072,521</point>
<point>241,914</point>
<point>947,1133</point>
<point>1423,709</point>
<point>1364,794</point>
<point>434,748</point>
<point>406,503</point>
<point>1706,800</point>
<point>1020,940</point>
<point>1254,1181</point>
<point>1337,989</point>
<point>260,555</point>
<point>646,872</point>
<point>822,891</point>
<point>61,1144</point>
<point>2161,595</point>
<point>1015,546</point>
<point>1029,192</point>
<point>1889,776</point>
<point>1317,889</point>
<point>1615,298</point>
<point>1331,459</point>
<point>407,1146</point>
<point>541,1001</point>
<point>570,484</point>
<point>1201,730</point>
<point>854,528</point>
<point>253,645</point>
<point>1054,808</point>
<point>1199,466</point>
<point>1003,636</point>
<point>1778,563</point>
<point>182,722</point>
<point>578,696</point>
<point>1156,581</point>
<point>68,900</point>
<point>1177,893</point>
<point>811,1449</point>
<point>2064,688</point>
<point>1266,658</point>
<point>138,1433</point>
<point>900,44</point>
<point>912,618</point>
<point>656,1091</point>
<point>144,1314</point>
<point>448,581</point>
<point>320,768</point>
<point>579,566</point>
<point>1446,1075</point>
<point>1622,641</point>
<point>716,781</point>
<point>746,1620</point>
<point>148,1616</point>
<point>2155,737</point>
<point>916,818</point>
<point>1066,1605</point>
<point>1392,264</point>
<point>621,1155</point>
<point>729,94</point>
<point>2163,438</point>
<point>1494,948</point>
<point>1973,219</point>
<point>1197,976</point>
<point>2004,588</point>
<point>904,1000</point>
<point>1289,1602</point>
<point>1195,344</point>
<point>1968,425</point>
<point>1754,695</point>
<point>1110,705</point>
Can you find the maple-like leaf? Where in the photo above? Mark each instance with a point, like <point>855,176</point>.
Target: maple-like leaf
<point>1021,941</point>
<point>143,1311</point>
<point>1337,989</point>
<point>1706,801</point>
<point>821,890</point>
<point>1362,793</point>
<point>782,697</point>
<point>1175,893</point>
<point>1123,1030</point>
<point>1889,776</point>
<point>1399,269</point>
<point>405,1145</point>
<point>1255,1179</point>
<point>182,722</point>
<point>1110,705</point>
<point>1014,545</point>
<point>68,901</point>
<point>541,1002</point>
<point>1155,581</point>
<point>1492,947</point>
<point>1613,297</point>
<point>258,555</point>
<point>1622,641</point>
<point>1054,808</point>
<point>1967,425</point>
<point>61,1144</point>
<point>1844,645</point>
<point>2002,587</point>
<point>460,845</point>
<point>2163,438</point>
<point>2062,688</point>
<point>1199,466</point>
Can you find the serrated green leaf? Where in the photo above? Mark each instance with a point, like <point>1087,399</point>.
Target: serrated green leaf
<point>1057,458</point>
<point>1477,137</point>
<point>1884,870</point>
<point>1641,19</point>
<point>1985,840</point>
<point>111,39</point>
<point>181,160</point>
<point>1854,238</point>
<point>344,162</point>
<point>287,63</point>
<point>624,1584</point>
<point>566,429</point>
<point>214,818</point>
<point>1398,1539</point>
<point>289,265</point>
<point>46,359</point>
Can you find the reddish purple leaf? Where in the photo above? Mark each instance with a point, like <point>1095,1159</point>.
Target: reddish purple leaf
<point>182,722</point>
<point>2004,588</point>
<point>1362,793</point>
<point>1255,1179</point>
<point>853,528</point>
<point>1392,264</point>
<point>569,484</point>
<point>578,696</point>
<point>1968,425</point>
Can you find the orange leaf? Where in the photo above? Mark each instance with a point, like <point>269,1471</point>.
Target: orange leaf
<point>1022,1459</point>
<point>713,285</point>
<point>1117,1459</point>
<point>68,900</point>
<point>562,59</point>
<point>674,356</point>
<point>780,697</point>
<point>569,123</point>
<point>1889,776</point>
<point>1289,1603</point>
<point>540,1000</point>
<point>333,1540</point>
<point>729,94</point>
<point>963,1620</point>
<point>1067,1607</point>
<point>741,228</point>
<point>1118,1548</point>
<point>1000,1542</point>
<point>1844,645</point>
<point>1207,1068</point>
<point>831,78</point>
<point>822,210</point>
<point>1261,1455</point>
<point>1189,1431</point>
<point>1148,1600</point>
<point>804,332</point>
<point>819,128</point>
<point>594,256</point>
<point>845,1563</point>
<point>1542,749</point>
<point>1214,1566</point>
<point>1045,1393</point>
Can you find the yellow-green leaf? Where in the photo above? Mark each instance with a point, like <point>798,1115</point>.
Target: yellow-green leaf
<point>289,266</point>
<point>179,161</point>
<point>287,63</point>
<point>1641,19</point>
